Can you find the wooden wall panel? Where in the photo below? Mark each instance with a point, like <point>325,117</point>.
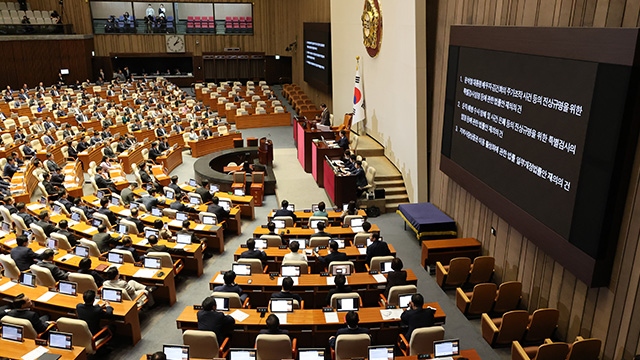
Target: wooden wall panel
<point>610,313</point>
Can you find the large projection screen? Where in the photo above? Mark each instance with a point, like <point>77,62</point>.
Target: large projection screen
<point>538,125</point>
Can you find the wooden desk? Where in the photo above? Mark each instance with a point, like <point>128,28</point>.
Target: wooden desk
<point>334,216</point>
<point>303,139</point>
<point>261,120</point>
<point>171,160</point>
<point>132,157</point>
<point>55,150</point>
<point>89,155</point>
<point>212,144</point>
<point>148,134</point>
<point>16,350</point>
<point>308,326</point>
<point>318,151</point>
<point>125,313</point>
<point>446,249</point>
<point>23,184</point>
<point>313,288</point>
<point>73,187</point>
<point>470,354</point>
<point>341,188</point>
<point>293,232</point>
<point>176,139</point>
<point>246,203</point>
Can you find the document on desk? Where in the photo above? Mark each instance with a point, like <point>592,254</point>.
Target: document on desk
<point>219,279</point>
<point>145,273</point>
<point>40,251</point>
<point>363,251</point>
<point>35,353</point>
<point>34,207</point>
<point>380,278</point>
<point>390,314</point>
<point>282,317</point>
<point>8,285</point>
<point>46,296</point>
<point>200,227</point>
<point>143,242</point>
<point>179,246</point>
<point>240,316</point>
<point>125,212</point>
<point>175,223</point>
<point>10,242</point>
<point>295,280</point>
<point>331,317</point>
<point>91,229</point>
<point>357,229</point>
<point>66,257</point>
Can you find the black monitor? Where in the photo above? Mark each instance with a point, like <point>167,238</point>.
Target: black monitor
<point>28,279</point>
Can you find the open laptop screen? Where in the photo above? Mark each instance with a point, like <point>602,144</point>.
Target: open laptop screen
<point>348,304</point>
<point>445,348</point>
<point>241,269</point>
<point>385,267</point>
<point>176,352</point>
<point>12,332</point>
<point>280,224</point>
<point>384,352</point>
<point>109,294</point>
<point>341,269</point>
<point>290,270</point>
<point>301,242</point>
<point>314,223</point>
<point>183,238</point>
<point>357,222</point>
<point>152,262</point>
<point>82,251</point>
<point>67,288</point>
<point>208,220</point>
<point>281,305</point>
<point>28,279</point>
<point>222,303</point>
<point>115,258</point>
<point>60,340</point>
<point>261,243</point>
<point>404,300</point>
<point>242,354</point>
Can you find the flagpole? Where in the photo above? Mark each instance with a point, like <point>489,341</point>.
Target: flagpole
<point>359,128</point>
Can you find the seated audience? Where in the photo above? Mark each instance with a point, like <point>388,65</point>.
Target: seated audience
<point>294,255</point>
<point>47,262</point>
<point>417,316</point>
<point>231,286</point>
<point>84,267</point>
<point>377,248</point>
<point>352,319</point>
<point>395,277</point>
<point>252,253</point>
<point>211,320</point>
<point>285,293</point>
<point>333,255</point>
<point>273,326</point>
<point>22,310</point>
<point>93,314</point>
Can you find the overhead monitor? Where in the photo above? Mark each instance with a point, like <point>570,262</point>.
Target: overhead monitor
<point>317,55</point>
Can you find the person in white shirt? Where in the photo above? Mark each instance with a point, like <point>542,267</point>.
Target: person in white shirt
<point>150,11</point>
<point>294,255</point>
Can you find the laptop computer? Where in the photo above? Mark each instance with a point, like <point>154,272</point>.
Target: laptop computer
<point>81,251</point>
<point>43,200</point>
<point>123,229</point>
<point>176,352</point>
<point>280,224</point>
<point>115,258</point>
<point>169,194</point>
<point>213,189</point>
<point>310,354</point>
<point>385,267</point>
<point>261,243</point>
<point>99,194</point>
<point>301,242</point>
<point>341,269</point>
<point>345,207</point>
<point>110,294</point>
<point>226,204</point>
<point>291,207</point>
<point>222,303</point>
<point>52,243</point>
<point>60,340</point>
<point>96,222</point>
<point>151,262</point>
<point>238,192</point>
<point>281,305</point>
<point>156,212</point>
<point>290,270</point>
<point>404,300</point>
<point>56,209</point>
<point>348,304</point>
<point>194,200</point>
<point>314,207</point>
<point>242,354</point>
<point>28,279</point>
<point>115,201</point>
<point>357,223</point>
<point>183,239</point>
<point>314,223</point>
<point>67,288</point>
<point>381,352</point>
<point>75,216</point>
<point>193,183</point>
<point>208,220</point>
<point>150,231</point>
<point>241,269</point>
<point>446,348</point>
<point>12,332</point>
<point>181,216</point>
<point>133,205</point>
<point>341,243</point>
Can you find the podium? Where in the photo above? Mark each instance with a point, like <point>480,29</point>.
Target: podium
<point>340,188</point>
<point>265,151</point>
<point>303,137</point>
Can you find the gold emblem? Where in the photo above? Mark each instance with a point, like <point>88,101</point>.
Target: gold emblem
<point>372,27</point>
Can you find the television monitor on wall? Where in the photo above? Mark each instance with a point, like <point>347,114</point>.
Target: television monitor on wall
<point>317,55</point>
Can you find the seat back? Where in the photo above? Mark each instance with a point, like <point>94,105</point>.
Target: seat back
<point>257,177</point>
<point>273,347</point>
<point>361,238</point>
<point>63,242</point>
<point>103,217</point>
<point>513,325</point>
<point>458,271</point>
<point>29,332</point>
<point>348,218</point>
<point>131,226</point>
<point>234,299</point>
<point>126,255</point>
<point>19,222</point>
<point>582,349</point>
<point>336,263</point>
<point>542,325</point>
<point>38,234</point>
<point>422,339</point>
<point>80,330</point>
<point>6,215</point>
<point>10,268</point>
<point>508,296</point>
<point>93,247</point>
<point>166,261</point>
<point>376,260</point>
<point>323,218</point>
<point>43,276</point>
<point>319,241</point>
<point>336,296</point>
<point>288,220</point>
<point>482,298</point>
<point>202,344</point>
<point>304,266</point>
<point>202,214</point>
<point>272,240</point>
<point>83,217</point>
<point>552,351</point>
<point>481,270</point>
<point>256,265</point>
<point>85,282</point>
<point>352,346</point>
<point>398,290</point>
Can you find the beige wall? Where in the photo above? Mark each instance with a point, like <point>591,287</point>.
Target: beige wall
<point>610,313</point>
<point>391,82</point>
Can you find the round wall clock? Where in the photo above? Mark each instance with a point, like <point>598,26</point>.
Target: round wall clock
<point>175,43</point>
<point>372,27</point>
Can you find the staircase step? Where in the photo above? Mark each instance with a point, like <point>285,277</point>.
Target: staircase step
<point>396,198</point>
<point>369,152</point>
<point>389,177</point>
<point>400,190</point>
<point>385,184</point>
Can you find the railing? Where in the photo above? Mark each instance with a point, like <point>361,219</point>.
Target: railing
<point>35,29</point>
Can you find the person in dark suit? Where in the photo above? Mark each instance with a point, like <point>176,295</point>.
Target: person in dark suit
<point>150,201</point>
<point>9,204</point>
<point>153,242</point>
<point>341,287</point>
<point>63,226</point>
<point>186,224</point>
<point>22,310</point>
<point>175,187</point>
<point>230,286</point>
<point>273,326</point>
<point>134,219</point>
<point>343,142</point>
<point>416,316</point>
<point>285,293</point>
<point>333,255</point>
<point>93,314</point>
<point>325,118</point>
<point>73,150</point>
<point>179,206</point>
<point>127,194</point>
<point>10,168</point>
<point>177,127</point>
<point>321,232</point>
<point>104,209</point>
<point>127,244</point>
<point>84,267</point>
<point>286,212</point>
<point>206,132</point>
<point>22,212</point>
<point>45,223</point>
<point>154,152</point>
<point>361,178</point>
<point>51,189</point>
<point>211,320</point>
<point>160,131</point>
<point>395,277</point>
<point>252,253</point>
<point>352,319</point>
<point>103,182</point>
<point>103,239</point>
<point>64,200</point>
<point>221,213</point>
<point>163,145</point>
<point>377,248</point>
<point>121,147</point>
<point>204,192</point>
<point>22,255</point>
<point>47,262</point>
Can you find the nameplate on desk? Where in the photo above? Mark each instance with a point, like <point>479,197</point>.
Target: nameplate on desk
<point>327,309</point>
<point>197,307</point>
<point>282,247</point>
<point>306,210</point>
<point>244,246</point>
<point>345,225</point>
<point>264,226</point>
